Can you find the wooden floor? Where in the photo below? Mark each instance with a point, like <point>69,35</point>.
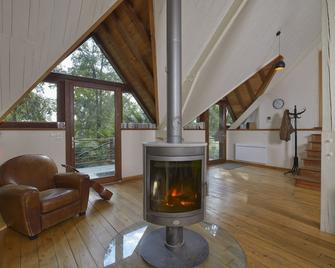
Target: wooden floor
<point>275,223</point>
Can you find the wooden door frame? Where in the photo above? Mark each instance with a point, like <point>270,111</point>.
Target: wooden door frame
<point>223,106</point>
<point>70,153</point>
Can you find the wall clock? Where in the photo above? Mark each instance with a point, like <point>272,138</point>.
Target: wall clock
<point>278,103</point>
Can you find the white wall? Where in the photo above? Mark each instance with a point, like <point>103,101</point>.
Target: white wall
<point>194,135</point>
<point>299,87</point>
<point>49,142</point>
<point>279,153</point>
<point>132,151</point>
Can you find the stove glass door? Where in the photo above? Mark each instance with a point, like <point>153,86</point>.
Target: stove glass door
<point>175,186</point>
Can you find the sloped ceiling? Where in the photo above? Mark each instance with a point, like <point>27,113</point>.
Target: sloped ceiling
<point>240,98</point>
<point>35,34</point>
<point>249,44</point>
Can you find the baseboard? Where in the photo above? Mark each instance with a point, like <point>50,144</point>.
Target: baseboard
<point>257,165</point>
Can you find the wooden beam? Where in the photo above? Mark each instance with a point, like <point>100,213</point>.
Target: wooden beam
<point>153,55</point>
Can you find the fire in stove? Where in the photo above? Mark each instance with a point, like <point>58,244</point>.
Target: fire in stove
<point>175,186</point>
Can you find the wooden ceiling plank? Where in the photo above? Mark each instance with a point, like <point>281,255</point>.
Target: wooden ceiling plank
<point>266,82</point>
<point>268,77</point>
<point>240,98</point>
<point>129,57</point>
<point>129,26</point>
<point>142,8</point>
<point>133,46</point>
<point>262,75</point>
<point>250,90</point>
<point>127,11</point>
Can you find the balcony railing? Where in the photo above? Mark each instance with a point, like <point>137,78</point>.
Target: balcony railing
<point>94,152</point>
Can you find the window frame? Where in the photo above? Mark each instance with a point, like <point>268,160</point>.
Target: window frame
<point>7,125</point>
<point>59,79</point>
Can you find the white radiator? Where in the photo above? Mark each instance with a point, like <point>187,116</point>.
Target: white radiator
<point>251,153</point>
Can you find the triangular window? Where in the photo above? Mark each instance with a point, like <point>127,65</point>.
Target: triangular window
<point>88,61</point>
<point>40,105</point>
<point>132,110</point>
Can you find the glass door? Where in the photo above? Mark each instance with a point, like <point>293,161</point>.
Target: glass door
<point>94,132</point>
<point>217,133</point>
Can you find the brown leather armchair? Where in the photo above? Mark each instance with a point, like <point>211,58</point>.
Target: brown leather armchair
<point>34,196</point>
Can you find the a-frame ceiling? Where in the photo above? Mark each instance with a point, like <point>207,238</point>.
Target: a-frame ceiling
<point>127,38</point>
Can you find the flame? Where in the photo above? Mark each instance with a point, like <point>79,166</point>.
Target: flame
<point>175,193</point>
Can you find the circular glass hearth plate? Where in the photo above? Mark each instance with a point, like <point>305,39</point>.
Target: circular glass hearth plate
<point>224,250</point>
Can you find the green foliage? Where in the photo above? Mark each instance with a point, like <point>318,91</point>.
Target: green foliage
<point>35,107</point>
<point>89,61</point>
<point>132,111</point>
<point>94,113</point>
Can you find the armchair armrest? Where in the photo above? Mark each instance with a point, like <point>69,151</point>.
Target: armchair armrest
<point>21,209</point>
<point>78,181</point>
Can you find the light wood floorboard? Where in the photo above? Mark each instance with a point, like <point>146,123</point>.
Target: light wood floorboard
<point>276,224</point>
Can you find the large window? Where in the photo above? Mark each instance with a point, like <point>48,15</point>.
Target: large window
<point>40,105</point>
<point>89,61</point>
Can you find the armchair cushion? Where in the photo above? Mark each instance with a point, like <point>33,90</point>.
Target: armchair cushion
<point>56,198</point>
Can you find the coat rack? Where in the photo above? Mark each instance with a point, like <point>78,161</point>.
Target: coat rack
<point>295,115</point>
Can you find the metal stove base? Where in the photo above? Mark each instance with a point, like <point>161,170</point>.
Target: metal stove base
<point>192,253</point>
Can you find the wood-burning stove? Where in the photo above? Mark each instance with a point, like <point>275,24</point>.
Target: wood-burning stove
<point>174,174</point>
<point>174,183</point>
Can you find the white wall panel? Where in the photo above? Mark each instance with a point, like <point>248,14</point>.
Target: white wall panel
<point>132,150</point>
<point>279,153</point>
